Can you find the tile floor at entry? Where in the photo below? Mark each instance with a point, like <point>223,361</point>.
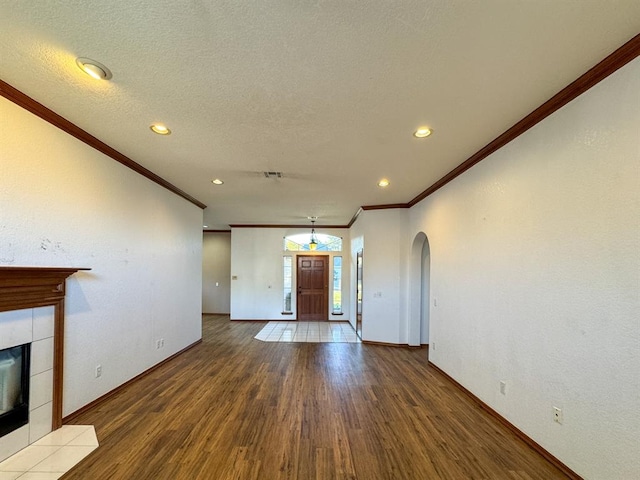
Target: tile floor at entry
<point>52,456</point>
<point>310,332</point>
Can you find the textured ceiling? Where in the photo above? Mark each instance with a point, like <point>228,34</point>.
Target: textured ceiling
<point>328,93</point>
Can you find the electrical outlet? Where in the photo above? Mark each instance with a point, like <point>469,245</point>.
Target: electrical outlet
<point>433,345</point>
<point>503,387</point>
<point>98,371</point>
<point>435,302</point>
<point>162,343</point>
<point>158,344</point>
<point>557,415</point>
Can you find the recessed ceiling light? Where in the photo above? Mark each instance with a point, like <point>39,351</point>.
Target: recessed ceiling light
<point>383,183</point>
<point>160,129</point>
<point>217,181</point>
<point>93,68</point>
<point>422,132</point>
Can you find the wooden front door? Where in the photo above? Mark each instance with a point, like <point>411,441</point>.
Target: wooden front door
<point>313,287</point>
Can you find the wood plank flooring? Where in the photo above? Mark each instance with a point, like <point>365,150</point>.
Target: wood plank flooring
<point>237,408</point>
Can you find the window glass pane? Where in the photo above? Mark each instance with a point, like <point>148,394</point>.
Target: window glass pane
<point>286,265</point>
<point>337,284</point>
<point>300,242</point>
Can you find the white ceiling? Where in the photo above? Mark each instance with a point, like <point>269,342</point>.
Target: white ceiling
<point>327,92</point>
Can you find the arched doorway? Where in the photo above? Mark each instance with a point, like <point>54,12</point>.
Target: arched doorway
<point>419,290</point>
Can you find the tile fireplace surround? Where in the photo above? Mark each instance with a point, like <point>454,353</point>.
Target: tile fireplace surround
<point>32,311</point>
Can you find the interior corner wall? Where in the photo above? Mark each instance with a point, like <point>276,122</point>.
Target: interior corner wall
<point>62,203</point>
<point>257,277</point>
<point>536,273</point>
<point>216,272</point>
<point>382,236</point>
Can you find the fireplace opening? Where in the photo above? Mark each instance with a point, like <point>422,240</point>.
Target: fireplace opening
<point>14,388</point>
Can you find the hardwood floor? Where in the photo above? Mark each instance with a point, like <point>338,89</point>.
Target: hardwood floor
<point>237,408</point>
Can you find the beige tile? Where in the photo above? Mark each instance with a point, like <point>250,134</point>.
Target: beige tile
<point>309,332</point>
<point>17,327</point>
<point>40,422</point>
<point>86,439</point>
<point>9,475</point>
<point>63,459</point>
<point>64,435</point>
<point>26,459</point>
<point>41,389</point>
<point>43,322</point>
<point>41,476</point>
<point>41,356</point>
<point>13,442</point>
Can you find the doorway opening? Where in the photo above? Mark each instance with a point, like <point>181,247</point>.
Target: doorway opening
<point>420,272</point>
<point>313,288</point>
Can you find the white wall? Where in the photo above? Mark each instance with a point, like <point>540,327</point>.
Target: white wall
<point>535,266</point>
<point>216,272</point>
<point>256,261</point>
<point>63,203</point>
<point>382,233</point>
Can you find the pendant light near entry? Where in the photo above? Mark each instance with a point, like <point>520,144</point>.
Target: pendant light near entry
<point>313,243</point>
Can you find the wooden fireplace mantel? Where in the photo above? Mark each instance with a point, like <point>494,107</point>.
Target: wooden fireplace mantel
<point>32,287</point>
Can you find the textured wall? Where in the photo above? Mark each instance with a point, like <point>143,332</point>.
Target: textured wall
<point>216,269</point>
<point>536,272</point>
<point>64,204</point>
<point>382,234</point>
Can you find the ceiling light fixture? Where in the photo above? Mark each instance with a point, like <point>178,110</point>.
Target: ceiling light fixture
<point>217,181</point>
<point>313,242</point>
<point>422,132</point>
<point>160,129</point>
<point>93,68</point>
<point>383,183</point>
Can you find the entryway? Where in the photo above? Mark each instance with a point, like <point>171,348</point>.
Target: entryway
<point>313,287</point>
<point>308,332</point>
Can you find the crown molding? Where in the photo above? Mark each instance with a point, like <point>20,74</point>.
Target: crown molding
<point>385,206</point>
<point>307,225</point>
<point>618,59</point>
<point>16,96</point>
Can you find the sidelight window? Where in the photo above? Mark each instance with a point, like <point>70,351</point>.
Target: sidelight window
<point>337,285</point>
<point>287,272</point>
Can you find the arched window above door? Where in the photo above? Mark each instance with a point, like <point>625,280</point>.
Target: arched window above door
<point>301,243</point>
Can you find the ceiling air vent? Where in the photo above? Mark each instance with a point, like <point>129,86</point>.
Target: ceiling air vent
<point>272,174</point>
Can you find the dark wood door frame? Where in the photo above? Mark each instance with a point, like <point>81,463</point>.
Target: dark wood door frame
<point>312,282</point>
